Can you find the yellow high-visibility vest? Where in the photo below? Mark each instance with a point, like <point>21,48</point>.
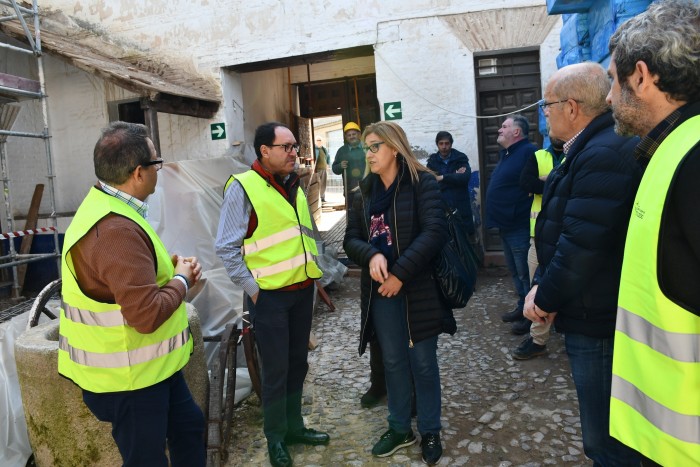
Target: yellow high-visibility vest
<point>98,350</point>
<point>282,250</point>
<point>545,164</point>
<point>655,403</point>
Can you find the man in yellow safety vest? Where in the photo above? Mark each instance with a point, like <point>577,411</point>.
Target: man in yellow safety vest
<point>655,401</point>
<point>265,240</point>
<point>124,335</point>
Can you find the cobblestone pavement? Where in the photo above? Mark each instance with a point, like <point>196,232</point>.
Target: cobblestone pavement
<point>496,411</point>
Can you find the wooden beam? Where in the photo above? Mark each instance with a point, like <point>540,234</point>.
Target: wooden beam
<point>30,224</point>
<point>151,116</point>
<point>178,105</point>
<point>17,82</point>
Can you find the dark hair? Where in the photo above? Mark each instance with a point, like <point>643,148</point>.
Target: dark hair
<point>666,37</point>
<point>443,135</point>
<point>265,135</point>
<point>122,147</point>
<point>521,122</point>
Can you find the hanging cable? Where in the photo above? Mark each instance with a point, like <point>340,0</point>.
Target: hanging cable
<point>377,54</point>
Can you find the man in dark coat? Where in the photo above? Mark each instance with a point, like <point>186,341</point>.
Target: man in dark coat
<point>508,209</point>
<point>453,174</point>
<point>580,237</point>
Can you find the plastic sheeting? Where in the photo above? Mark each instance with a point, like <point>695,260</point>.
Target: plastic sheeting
<point>14,442</point>
<point>184,211</point>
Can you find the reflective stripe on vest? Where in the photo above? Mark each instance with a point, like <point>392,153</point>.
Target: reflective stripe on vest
<point>274,239</point>
<point>104,319</point>
<point>124,359</point>
<point>655,403</point>
<point>545,164</point>
<point>281,251</point>
<point>98,350</point>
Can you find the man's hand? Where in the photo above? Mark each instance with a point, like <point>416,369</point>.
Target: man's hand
<point>535,313</point>
<point>461,170</point>
<point>188,267</point>
<point>343,164</point>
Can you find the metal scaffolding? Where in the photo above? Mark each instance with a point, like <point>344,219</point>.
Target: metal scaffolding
<point>20,88</point>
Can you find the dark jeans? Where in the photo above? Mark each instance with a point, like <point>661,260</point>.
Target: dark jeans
<point>282,321</point>
<point>403,365</point>
<point>516,244</point>
<point>591,367</point>
<point>142,421</point>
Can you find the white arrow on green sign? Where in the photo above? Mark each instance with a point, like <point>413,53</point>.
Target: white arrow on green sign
<point>218,131</point>
<point>392,110</point>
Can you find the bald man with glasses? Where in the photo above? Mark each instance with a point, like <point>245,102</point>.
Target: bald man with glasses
<point>580,239</point>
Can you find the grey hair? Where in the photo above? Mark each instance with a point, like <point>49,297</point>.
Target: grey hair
<point>667,38</point>
<point>521,122</point>
<point>587,83</point>
<point>122,147</point>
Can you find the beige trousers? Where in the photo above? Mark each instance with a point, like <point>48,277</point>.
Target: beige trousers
<point>538,331</point>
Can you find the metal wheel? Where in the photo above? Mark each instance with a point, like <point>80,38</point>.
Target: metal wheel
<point>49,294</point>
<point>252,357</point>
<point>222,391</point>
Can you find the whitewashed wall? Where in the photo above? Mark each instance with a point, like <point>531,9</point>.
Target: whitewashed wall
<point>419,61</point>
<point>424,66</point>
<point>229,32</point>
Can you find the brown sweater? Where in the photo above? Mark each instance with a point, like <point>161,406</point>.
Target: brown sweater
<point>115,262</point>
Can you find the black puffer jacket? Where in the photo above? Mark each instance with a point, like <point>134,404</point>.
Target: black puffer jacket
<point>580,232</point>
<point>419,227</point>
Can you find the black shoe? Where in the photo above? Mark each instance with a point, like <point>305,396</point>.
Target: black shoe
<point>373,396</point>
<point>515,315</point>
<point>521,327</point>
<point>431,448</point>
<point>279,456</point>
<point>392,441</point>
<point>528,349</point>
<point>307,436</point>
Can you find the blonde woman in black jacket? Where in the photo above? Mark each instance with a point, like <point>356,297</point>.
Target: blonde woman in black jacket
<point>394,231</point>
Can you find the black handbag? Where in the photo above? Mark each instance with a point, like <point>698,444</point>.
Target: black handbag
<point>455,267</point>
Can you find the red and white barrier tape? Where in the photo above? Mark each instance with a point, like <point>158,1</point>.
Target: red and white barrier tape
<point>22,233</point>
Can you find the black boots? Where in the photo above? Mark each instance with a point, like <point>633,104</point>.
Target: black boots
<point>377,390</point>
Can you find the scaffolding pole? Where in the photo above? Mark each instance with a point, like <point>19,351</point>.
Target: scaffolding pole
<point>22,15</point>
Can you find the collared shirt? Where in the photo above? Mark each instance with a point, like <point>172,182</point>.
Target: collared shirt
<point>651,142</point>
<point>571,142</point>
<point>139,206</point>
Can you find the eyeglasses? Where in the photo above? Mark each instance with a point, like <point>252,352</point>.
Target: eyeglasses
<point>287,147</point>
<point>157,162</point>
<point>544,104</point>
<point>373,148</point>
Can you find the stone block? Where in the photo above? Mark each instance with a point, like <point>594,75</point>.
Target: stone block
<point>62,430</point>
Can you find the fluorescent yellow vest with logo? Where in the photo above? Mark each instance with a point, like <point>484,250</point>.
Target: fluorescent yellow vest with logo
<point>545,164</point>
<point>97,349</point>
<point>655,404</point>
<point>281,251</point>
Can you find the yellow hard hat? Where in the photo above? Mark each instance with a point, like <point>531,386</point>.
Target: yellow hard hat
<point>351,126</point>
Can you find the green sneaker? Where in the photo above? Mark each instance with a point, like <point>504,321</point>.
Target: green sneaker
<point>392,441</point>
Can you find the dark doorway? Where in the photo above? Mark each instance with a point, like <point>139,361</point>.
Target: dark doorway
<point>131,112</point>
<point>355,98</point>
<point>506,81</point>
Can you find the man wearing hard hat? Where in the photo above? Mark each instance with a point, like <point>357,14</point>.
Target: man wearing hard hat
<point>350,161</point>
